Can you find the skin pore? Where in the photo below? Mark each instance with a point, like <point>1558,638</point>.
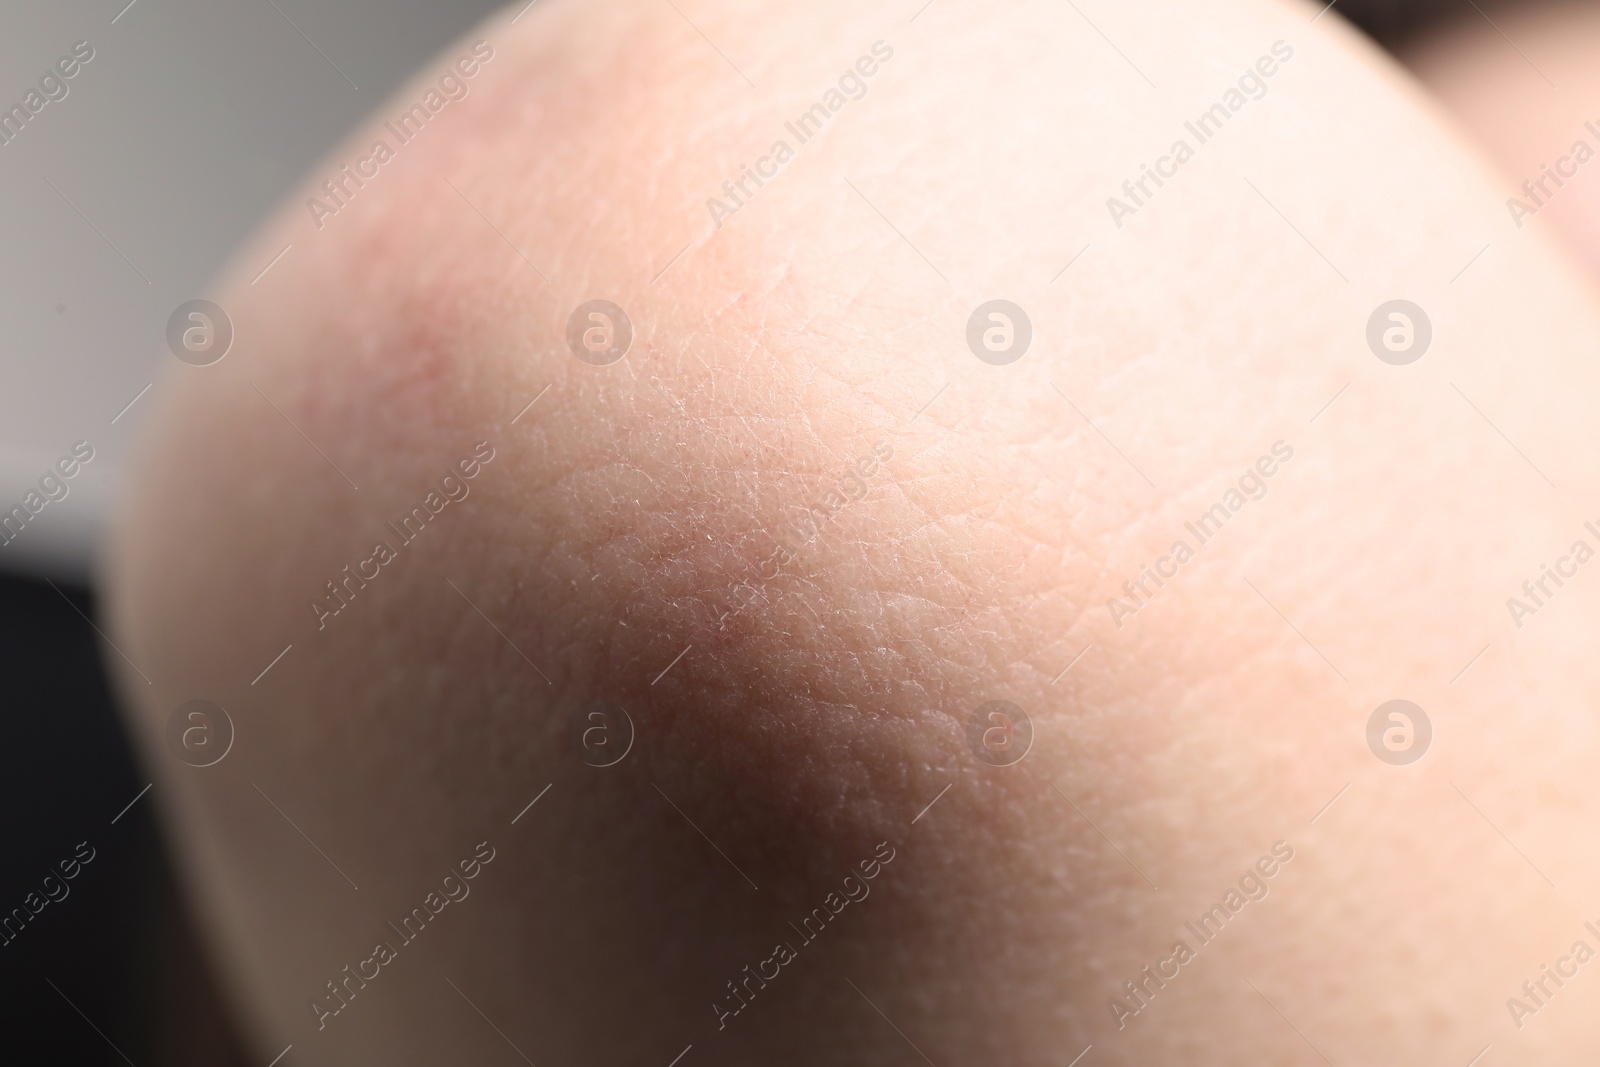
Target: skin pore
<point>795,721</point>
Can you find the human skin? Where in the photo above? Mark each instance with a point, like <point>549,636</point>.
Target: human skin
<point>1529,112</point>
<point>777,745</point>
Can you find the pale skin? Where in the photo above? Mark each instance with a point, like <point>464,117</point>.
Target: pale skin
<point>1530,109</point>
<point>777,745</point>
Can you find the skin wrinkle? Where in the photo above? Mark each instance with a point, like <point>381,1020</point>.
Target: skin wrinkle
<point>822,723</point>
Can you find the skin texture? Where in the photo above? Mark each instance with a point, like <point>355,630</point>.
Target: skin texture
<point>778,745</point>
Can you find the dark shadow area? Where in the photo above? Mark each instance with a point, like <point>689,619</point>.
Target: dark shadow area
<point>1395,24</point>
<point>112,960</point>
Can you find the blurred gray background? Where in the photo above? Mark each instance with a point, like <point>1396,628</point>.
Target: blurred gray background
<point>120,201</point>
